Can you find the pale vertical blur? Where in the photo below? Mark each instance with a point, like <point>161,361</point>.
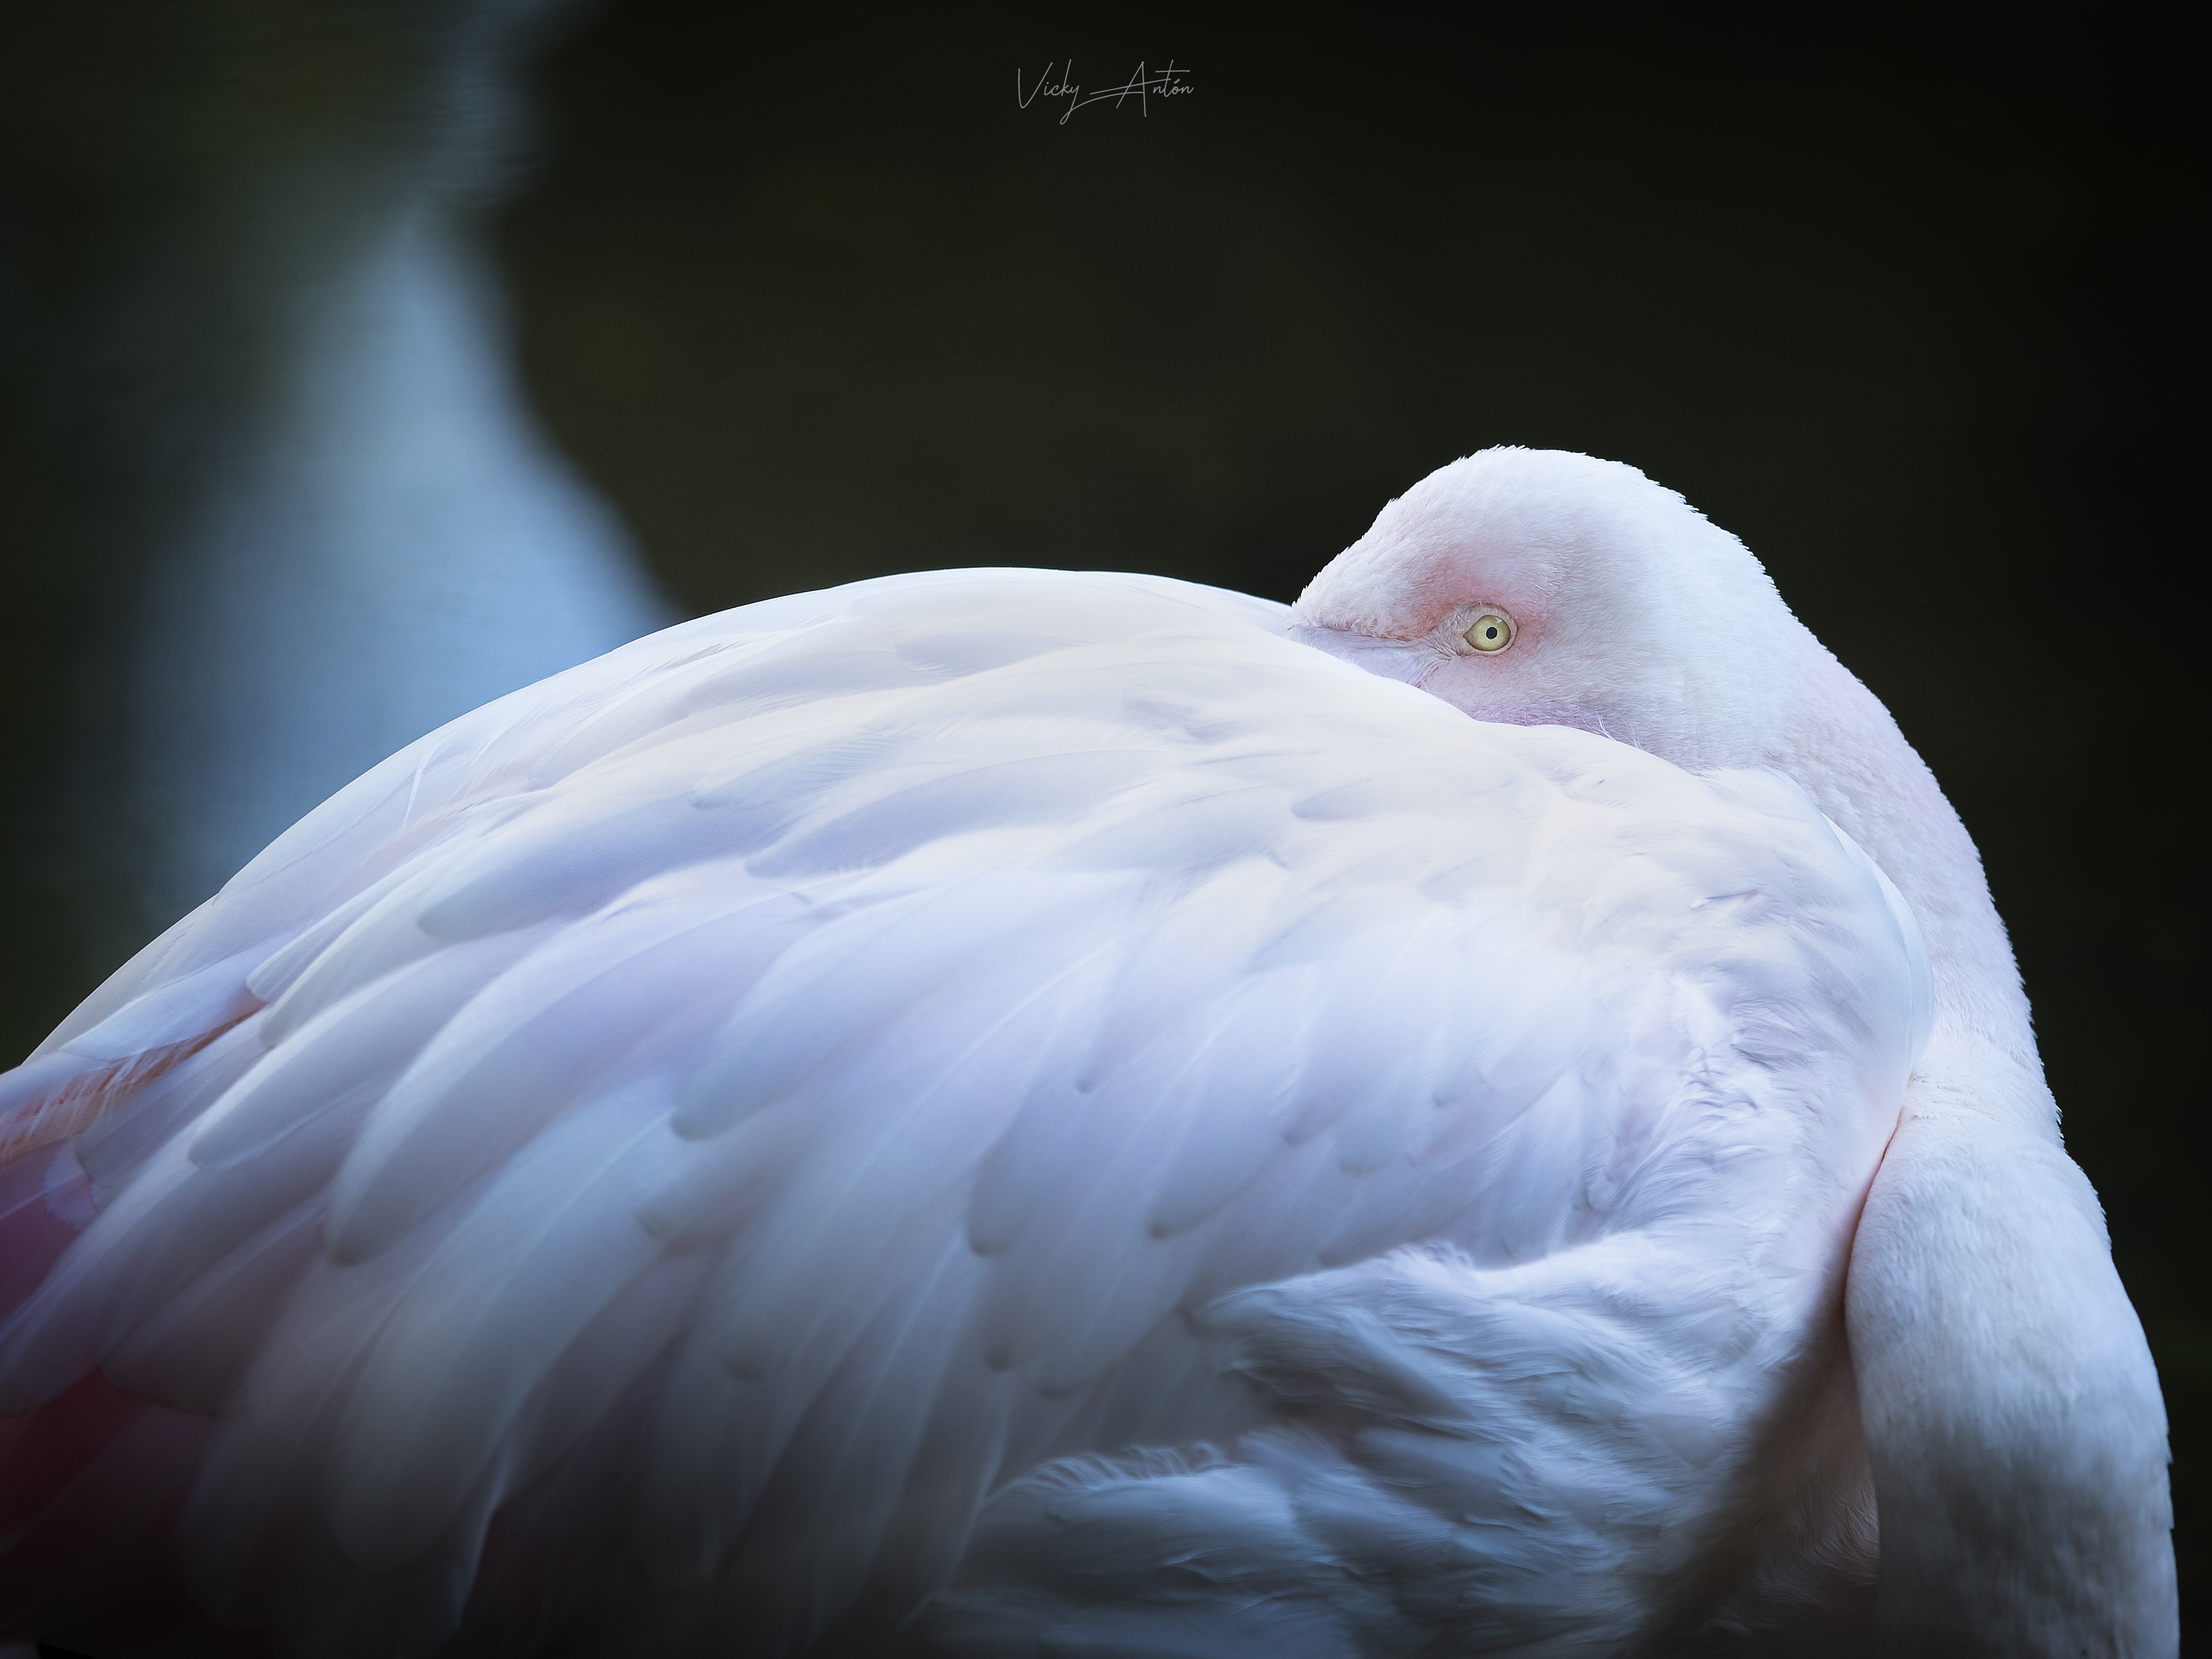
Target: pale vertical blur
<point>278,505</point>
<point>399,546</point>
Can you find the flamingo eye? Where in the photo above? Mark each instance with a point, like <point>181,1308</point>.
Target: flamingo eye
<point>1491,632</point>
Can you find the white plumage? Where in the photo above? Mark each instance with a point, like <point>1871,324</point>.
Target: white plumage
<point>1009,1113</point>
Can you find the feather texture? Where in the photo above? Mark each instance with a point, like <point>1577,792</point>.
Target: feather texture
<point>983,1109</point>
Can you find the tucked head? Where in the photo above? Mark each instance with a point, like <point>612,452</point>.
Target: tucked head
<point>1539,586</point>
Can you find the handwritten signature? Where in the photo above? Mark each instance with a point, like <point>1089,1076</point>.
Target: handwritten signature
<point>1169,82</point>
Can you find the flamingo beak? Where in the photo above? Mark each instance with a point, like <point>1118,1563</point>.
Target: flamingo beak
<point>1410,661</point>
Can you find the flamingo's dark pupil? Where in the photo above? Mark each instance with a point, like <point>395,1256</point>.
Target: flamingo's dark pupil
<point>1490,631</point>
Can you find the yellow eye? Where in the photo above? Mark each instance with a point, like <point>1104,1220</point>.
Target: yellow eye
<point>1491,631</point>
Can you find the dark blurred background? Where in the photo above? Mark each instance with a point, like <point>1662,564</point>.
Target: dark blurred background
<point>811,297</point>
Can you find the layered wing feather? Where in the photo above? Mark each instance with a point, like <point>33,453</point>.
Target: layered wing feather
<point>741,1139</point>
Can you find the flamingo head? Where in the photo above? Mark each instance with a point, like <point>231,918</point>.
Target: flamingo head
<point>1543,587</point>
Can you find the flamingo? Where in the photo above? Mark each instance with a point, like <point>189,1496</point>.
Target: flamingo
<point>1010,1112</point>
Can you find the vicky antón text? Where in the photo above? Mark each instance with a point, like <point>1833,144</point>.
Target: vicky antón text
<point>1142,88</point>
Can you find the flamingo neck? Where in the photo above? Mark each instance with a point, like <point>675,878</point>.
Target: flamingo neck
<point>2009,1405</point>
<point>1842,745</point>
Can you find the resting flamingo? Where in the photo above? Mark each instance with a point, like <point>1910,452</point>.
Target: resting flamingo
<point>1007,1112</point>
